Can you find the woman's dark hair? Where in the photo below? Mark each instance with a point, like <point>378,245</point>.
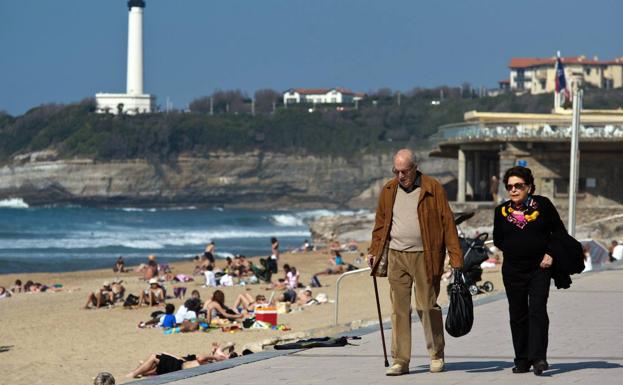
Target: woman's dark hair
<point>286,267</point>
<point>273,240</point>
<point>18,282</point>
<point>520,172</point>
<point>219,297</point>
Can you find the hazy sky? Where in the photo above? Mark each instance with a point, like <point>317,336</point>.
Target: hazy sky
<point>66,50</point>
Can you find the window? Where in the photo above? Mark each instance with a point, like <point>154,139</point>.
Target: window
<point>561,187</point>
<point>587,71</point>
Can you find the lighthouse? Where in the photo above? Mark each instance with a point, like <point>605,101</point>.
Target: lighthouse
<point>134,101</point>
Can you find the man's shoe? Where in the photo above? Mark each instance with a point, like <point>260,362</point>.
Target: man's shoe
<point>539,367</point>
<point>436,366</point>
<point>397,370</point>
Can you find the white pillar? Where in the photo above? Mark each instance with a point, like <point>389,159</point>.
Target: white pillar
<point>460,196</point>
<point>135,48</point>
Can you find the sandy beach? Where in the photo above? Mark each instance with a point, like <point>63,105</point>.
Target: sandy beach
<point>48,338</point>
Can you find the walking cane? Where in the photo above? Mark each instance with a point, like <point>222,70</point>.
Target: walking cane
<point>378,308</point>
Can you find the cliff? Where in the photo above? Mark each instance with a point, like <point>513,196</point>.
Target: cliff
<point>253,180</point>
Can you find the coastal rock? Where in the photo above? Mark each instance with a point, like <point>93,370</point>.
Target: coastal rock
<point>250,180</point>
<point>342,228</point>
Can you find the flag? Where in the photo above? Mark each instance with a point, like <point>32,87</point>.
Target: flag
<point>561,84</point>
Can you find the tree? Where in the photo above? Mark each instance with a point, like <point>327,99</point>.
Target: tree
<point>265,99</point>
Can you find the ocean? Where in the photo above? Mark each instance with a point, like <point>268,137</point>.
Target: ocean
<point>71,238</point>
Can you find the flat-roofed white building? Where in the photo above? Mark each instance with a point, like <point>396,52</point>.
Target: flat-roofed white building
<point>320,96</point>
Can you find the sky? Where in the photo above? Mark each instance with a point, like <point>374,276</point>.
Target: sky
<point>63,51</point>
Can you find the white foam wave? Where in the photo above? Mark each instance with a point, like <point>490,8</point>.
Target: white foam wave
<point>154,209</point>
<point>303,217</point>
<point>13,203</point>
<point>145,239</point>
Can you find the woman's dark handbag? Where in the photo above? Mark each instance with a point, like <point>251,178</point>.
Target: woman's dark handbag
<point>460,316</point>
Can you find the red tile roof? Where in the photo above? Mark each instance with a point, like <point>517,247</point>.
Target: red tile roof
<point>526,62</point>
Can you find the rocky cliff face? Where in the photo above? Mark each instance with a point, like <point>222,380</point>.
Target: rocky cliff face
<point>266,180</point>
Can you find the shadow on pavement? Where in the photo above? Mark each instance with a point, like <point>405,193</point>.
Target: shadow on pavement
<point>470,366</point>
<point>5,348</point>
<point>573,366</point>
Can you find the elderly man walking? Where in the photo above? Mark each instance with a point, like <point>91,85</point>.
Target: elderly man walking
<point>413,228</point>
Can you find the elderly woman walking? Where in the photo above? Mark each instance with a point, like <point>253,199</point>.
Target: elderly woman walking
<point>522,229</point>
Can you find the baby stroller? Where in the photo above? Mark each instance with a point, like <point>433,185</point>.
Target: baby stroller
<point>474,253</point>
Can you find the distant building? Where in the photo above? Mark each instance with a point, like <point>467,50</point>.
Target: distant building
<point>320,96</point>
<point>537,75</point>
<point>486,144</point>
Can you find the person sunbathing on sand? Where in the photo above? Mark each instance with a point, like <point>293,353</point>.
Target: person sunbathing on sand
<point>216,308</point>
<point>162,363</point>
<point>244,301</point>
<point>4,293</point>
<point>152,296</point>
<point>337,265</point>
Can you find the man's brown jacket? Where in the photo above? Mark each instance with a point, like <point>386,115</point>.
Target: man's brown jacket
<point>436,224</point>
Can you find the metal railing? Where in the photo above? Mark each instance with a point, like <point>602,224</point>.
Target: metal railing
<point>337,289</point>
<point>528,130</point>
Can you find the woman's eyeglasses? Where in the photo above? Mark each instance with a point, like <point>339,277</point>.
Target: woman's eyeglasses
<point>516,186</point>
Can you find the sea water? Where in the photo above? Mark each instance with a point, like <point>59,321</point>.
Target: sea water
<point>69,238</point>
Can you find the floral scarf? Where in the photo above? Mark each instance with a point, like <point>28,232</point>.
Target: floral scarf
<point>520,215</point>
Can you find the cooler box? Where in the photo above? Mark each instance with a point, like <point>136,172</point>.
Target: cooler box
<point>266,314</point>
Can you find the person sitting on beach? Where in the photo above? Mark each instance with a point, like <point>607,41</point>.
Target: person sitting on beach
<point>119,265</point>
<point>17,287</point>
<point>288,295</point>
<point>292,278</point>
<point>215,308</point>
<point>154,295</point>
<point>164,320</point>
<point>4,293</point>
<point>163,363</point>
<point>103,297</point>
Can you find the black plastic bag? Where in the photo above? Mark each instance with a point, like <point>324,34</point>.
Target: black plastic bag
<point>460,316</point>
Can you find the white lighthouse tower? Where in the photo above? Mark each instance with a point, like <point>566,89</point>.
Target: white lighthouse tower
<point>134,101</point>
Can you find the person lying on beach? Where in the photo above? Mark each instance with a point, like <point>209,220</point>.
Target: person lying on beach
<point>164,320</point>
<point>337,264</point>
<point>306,298</point>
<point>215,308</point>
<point>4,293</point>
<point>244,301</point>
<point>163,363</point>
<point>154,295</point>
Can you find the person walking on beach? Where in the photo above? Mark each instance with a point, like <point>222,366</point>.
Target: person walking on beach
<point>522,228</point>
<point>413,228</point>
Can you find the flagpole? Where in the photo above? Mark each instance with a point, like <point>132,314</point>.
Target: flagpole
<point>574,156</point>
<point>556,94</point>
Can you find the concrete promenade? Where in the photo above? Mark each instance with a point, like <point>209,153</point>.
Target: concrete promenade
<point>586,347</point>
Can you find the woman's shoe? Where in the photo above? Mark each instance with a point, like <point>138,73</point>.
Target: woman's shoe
<point>521,369</point>
<point>539,367</point>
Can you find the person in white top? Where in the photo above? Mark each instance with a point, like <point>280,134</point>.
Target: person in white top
<point>617,251</point>
<point>210,277</point>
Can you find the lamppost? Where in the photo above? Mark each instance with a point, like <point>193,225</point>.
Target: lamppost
<point>578,93</point>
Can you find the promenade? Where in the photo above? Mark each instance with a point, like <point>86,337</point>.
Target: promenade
<point>586,347</point>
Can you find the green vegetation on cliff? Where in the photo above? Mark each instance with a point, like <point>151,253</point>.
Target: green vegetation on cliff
<point>384,120</point>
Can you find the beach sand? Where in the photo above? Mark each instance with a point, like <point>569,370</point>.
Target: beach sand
<point>48,338</point>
